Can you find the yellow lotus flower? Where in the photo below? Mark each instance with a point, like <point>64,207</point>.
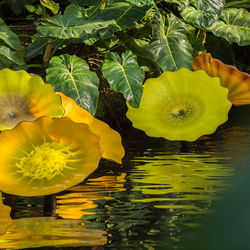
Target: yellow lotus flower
<point>237,82</point>
<point>110,140</point>
<point>46,156</point>
<point>25,97</point>
<point>181,105</point>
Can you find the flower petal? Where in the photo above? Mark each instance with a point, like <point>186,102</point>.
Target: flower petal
<point>110,139</point>
<point>46,156</point>
<point>237,82</point>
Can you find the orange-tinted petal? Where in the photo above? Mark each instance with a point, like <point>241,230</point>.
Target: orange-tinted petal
<point>46,156</point>
<point>237,82</point>
<point>110,140</point>
<point>5,220</point>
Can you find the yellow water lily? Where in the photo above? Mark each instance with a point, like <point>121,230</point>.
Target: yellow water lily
<point>237,82</point>
<point>25,97</point>
<point>111,143</point>
<point>181,105</point>
<point>46,156</point>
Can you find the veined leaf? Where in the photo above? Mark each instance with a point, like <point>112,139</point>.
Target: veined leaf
<point>169,44</point>
<point>66,27</point>
<point>9,37</point>
<point>124,76</point>
<point>141,3</point>
<point>234,26</point>
<point>204,13</point>
<point>75,10</point>
<point>15,56</point>
<point>51,5</point>
<point>71,75</point>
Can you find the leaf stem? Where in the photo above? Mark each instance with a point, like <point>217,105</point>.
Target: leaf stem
<point>35,66</point>
<point>96,9</point>
<point>230,4</point>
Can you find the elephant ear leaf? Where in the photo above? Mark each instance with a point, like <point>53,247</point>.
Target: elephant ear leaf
<point>203,13</point>
<point>71,75</point>
<point>124,76</point>
<point>234,26</point>
<point>169,43</point>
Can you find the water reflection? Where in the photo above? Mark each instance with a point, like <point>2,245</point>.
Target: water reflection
<point>181,180</point>
<point>50,231</point>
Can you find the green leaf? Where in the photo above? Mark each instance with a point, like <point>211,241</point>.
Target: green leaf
<point>141,3</point>
<point>75,10</point>
<point>51,5</point>
<point>71,75</point>
<point>124,76</point>
<point>204,13</point>
<point>169,44</point>
<point>66,27</point>
<point>234,26</point>
<point>14,56</point>
<point>9,37</point>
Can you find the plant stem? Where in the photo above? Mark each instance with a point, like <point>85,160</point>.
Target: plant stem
<point>96,9</point>
<point>230,4</point>
<point>35,66</point>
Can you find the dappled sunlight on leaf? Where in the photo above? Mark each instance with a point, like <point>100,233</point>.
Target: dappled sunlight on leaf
<point>50,231</point>
<point>111,144</point>
<point>237,82</point>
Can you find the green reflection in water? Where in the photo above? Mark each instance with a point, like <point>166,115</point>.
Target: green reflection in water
<point>50,231</point>
<point>178,181</point>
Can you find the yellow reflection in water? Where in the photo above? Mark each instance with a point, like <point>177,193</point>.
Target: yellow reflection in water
<point>174,180</point>
<point>82,198</point>
<point>50,231</point>
<point>5,220</point>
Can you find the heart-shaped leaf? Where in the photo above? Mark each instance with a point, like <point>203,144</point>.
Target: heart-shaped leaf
<point>124,76</point>
<point>66,27</point>
<point>203,13</point>
<point>169,44</point>
<point>234,26</point>
<point>71,75</point>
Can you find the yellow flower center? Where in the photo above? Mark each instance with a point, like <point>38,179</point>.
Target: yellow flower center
<point>180,112</point>
<point>45,161</point>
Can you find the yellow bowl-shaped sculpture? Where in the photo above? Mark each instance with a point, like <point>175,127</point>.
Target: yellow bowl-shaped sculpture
<point>46,156</point>
<point>181,105</point>
<point>25,97</point>
<point>111,143</point>
<point>237,82</point>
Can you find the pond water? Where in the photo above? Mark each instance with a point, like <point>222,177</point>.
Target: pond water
<point>163,190</point>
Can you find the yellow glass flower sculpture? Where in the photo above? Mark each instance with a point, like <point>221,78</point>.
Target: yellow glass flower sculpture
<point>46,156</point>
<point>111,144</point>
<point>181,105</point>
<point>237,82</point>
<point>25,97</point>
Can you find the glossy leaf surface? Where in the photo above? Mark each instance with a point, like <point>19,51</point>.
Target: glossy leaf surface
<point>234,26</point>
<point>124,76</point>
<point>203,13</point>
<point>169,44</point>
<point>71,75</point>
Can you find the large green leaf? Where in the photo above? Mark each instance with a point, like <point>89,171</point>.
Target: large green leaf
<point>66,27</point>
<point>169,44</point>
<point>71,75</point>
<point>203,13</point>
<point>9,37</point>
<point>234,26</point>
<point>141,3</point>
<point>124,76</point>
<point>14,56</point>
